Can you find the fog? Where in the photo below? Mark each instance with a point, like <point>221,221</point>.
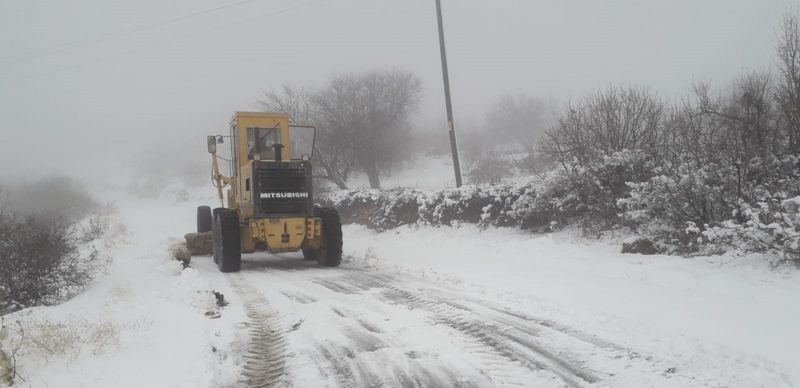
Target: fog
<point>102,89</point>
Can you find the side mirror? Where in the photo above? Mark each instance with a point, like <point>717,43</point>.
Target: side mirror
<point>212,144</point>
<point>220,139</point>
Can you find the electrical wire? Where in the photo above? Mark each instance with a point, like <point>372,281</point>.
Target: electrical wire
<point>163,43</point>
<point>109,36</point>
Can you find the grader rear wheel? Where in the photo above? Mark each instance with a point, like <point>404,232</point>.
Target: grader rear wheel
<point>309,254</point>
<point>330,251</point>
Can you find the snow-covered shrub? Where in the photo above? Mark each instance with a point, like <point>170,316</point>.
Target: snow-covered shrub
<point>671,205</point>
<point>589,194</point>
<point>464,204</point>
<point>389,209</point>
<point>715,198</point>
<point>579,193</point>
<point>7,305</point>
<point>773,176</point>
<point>39,259</point>
<point>354,206</point>
<point>7,358</point>
<point>45,258</point>
<point>771,226</point>
<point>690,193</point>
<point>396,208</point>
<point>488,205</point>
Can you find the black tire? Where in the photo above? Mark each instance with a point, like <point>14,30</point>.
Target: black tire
<point>330,252</point>
<point>227,242</point>
<point>215,234</point>
<point>204,220</point>
<point>308,253</point>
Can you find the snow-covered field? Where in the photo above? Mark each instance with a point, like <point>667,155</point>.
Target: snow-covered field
<point>425,172</point>
<point>417,306</point>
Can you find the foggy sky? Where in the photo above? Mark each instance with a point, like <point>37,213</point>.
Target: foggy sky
<point>130,100</point>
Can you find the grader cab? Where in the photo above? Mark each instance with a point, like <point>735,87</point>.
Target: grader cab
<point>269,194</point>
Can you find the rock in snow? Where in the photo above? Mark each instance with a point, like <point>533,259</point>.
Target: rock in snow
<point>199,243</point>
<point>639,245</point>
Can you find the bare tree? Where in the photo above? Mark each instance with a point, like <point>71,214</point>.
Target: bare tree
<point>788,88</point>
<point>297,103</point>
<point>612,120</point>
<point>333,152</point>
<point>362,121</point>
<point>371,110</point>
<point>746,115</point>
<point>520,119</point>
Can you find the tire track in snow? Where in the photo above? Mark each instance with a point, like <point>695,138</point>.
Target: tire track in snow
<point>508,345</point>
<point>506,364</point>
<point>265,359</point>
<point>497,346</point>
<point>359,352</point>
<point>494,312</point>
<point>516,347</point>
<point>503,345</point>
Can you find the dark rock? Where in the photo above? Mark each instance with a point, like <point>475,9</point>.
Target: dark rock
<point>641,246</point>
<point>199,243</point>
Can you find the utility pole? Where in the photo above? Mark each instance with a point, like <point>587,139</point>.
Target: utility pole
<point>446,78</point>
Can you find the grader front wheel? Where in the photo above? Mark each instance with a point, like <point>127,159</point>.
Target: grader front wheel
<point>204,220</point>
<point>227,240</point>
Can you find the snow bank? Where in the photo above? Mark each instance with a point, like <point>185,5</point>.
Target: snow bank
<point>149,322</point>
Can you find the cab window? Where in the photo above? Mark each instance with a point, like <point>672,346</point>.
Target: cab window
<point>260,142</point>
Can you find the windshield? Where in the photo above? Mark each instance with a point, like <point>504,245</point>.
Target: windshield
<point>260,142</point>
<point>302,141</point>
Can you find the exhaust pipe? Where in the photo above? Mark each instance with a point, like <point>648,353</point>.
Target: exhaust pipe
<point>278,152</point>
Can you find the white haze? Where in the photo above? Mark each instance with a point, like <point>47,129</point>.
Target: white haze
<point>145,101</point>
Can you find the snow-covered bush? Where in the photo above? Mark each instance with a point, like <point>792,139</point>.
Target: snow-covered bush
<point>588,194</point>
<point>464,204</point>
<point>7,358</point>
<point>681,207</point>
<point>714,198</point>
<point>686,193</point>
<point>6,303</point>
<point>355,206</point>
<point>578,194</point>
<point>41,261</point>
<point>392,208</point>
<point>46,256</point>
<point>771,226</point>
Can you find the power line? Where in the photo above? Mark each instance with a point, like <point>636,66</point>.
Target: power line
<point>112,35</point>
<point>163,43</point>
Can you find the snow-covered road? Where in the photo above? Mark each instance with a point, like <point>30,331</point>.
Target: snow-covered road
<point>356,328</point>
<point>416,306</point>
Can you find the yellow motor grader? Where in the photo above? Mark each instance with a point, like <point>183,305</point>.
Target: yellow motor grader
<point>269,194</point>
